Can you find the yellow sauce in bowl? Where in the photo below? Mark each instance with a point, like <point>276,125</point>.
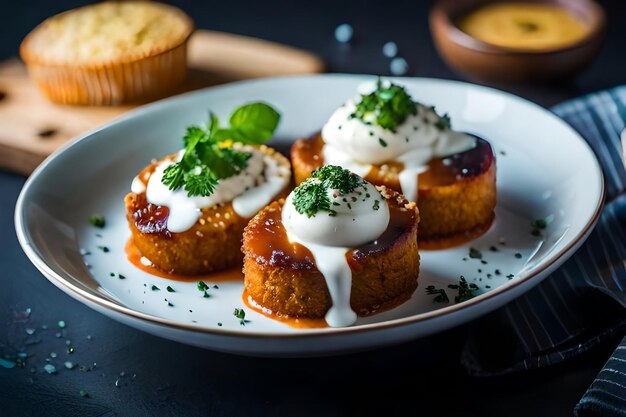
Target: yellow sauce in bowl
<point>524,25</point>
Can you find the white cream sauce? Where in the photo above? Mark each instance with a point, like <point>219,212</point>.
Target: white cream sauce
<point>353,144</point>
<point>250,190</point>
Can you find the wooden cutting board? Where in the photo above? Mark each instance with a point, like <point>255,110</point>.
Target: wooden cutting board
<point>31,127</point>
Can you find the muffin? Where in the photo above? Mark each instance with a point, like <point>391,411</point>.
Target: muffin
<point>109,53</point>
<point>355,255</point>
<point>394,141</point>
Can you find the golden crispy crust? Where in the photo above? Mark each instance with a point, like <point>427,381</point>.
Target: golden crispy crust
<point>452,210</point>
<point>380,279</point>
<point>212,244</point>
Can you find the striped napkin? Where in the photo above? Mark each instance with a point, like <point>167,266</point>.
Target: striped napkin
<point>583,303</point>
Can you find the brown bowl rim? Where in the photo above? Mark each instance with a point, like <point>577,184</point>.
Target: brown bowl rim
<point>440,16</point>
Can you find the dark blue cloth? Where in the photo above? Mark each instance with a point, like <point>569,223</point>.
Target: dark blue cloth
<point>582,303</point>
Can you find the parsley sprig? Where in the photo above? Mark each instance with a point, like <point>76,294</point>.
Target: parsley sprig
<point>208,157</point>
<point>311,196</point>
<point>390,106</point>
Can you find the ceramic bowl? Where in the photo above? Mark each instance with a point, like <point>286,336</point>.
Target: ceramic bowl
<point>484,61</point>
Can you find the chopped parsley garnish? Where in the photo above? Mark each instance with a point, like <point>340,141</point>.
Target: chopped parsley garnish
<point>510,276</point>
<point>440,294</point>
<point>518,255</point>
<point>208,157</point>
<point>388,106</point>
<point>104,249</point>
<point>202,286</point>
<point>443,123</point>
<point>465,290</point>
<point>83,393</point>
<point>539,224</point>
<point>475,253</point>
<point>311,196</point>
<point>382,142</point>
<point>155,288</point>
<point>97,220</point>
<point>170,289</point>
<point>241,315</point>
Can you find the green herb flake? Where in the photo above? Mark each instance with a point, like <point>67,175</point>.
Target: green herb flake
<point>120,276</point>
<point>83,393</point>
<point>540,224</point>
<point>155,288</point>
<point>97,221</point>
<point>311,196</point>
<point>202,286</point>
<point>466,291</point>
<point>510,276</point>
<point>170,289</point>
<point>376,205</point>
<point>104,249</point>
<point>388,106</point>
<point>440,294</point>
<point>443,123</point>
<point>475,253</point>
<point>241,315</point>
<point>207,160</point>
<point>518,255</point>
<point>382,142</point>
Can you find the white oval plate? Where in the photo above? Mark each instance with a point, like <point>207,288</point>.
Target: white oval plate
<point>544,169</point>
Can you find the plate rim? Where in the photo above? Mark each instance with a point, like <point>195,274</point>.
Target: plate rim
<point>82,295</point>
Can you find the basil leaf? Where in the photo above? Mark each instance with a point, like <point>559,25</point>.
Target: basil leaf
<point>255,121</point>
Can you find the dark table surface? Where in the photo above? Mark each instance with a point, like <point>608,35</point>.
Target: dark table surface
<point>127,372</point>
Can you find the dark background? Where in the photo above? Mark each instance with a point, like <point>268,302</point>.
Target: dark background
<point>127,372</point>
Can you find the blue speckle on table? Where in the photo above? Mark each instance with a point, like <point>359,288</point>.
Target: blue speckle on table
<point>343,33</point>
